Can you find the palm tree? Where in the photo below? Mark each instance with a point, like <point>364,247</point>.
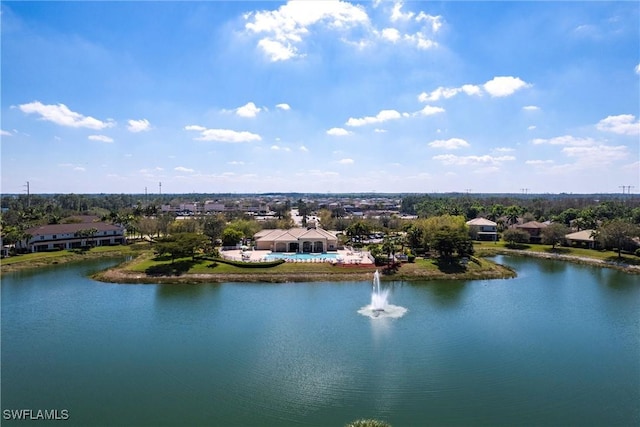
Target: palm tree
<point>512,213</point>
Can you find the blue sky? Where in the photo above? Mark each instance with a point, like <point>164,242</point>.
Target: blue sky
<point>320,96</point>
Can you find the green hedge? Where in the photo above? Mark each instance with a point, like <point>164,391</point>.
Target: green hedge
<point>243,264</point>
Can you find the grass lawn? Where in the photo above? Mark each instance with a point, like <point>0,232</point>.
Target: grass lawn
<point>44,258</point>
<point>483,248</point>
<point>421,269</point>
<point>435,268</point>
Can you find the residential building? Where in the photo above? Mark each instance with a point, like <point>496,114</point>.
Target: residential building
<point>534,228</point>
<point>483,229</point>
<point>69,236</point>
<point>581,238</point>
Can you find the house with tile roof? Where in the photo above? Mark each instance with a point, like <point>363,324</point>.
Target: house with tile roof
<point>534,228</point>
<point>582,238</point>
<point>483,229</point>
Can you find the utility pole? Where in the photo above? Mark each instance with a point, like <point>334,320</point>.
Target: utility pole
<point>626,189</point>
<point>524,190</point>
<point>28,195</point>
<point>160,188</point>
<point>146,196</point>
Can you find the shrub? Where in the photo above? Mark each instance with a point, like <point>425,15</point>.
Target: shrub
<point>637,252</point>
<point>244,264</point>
<point>515,235</point>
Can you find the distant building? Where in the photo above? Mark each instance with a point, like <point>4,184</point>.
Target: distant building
<point>70,236</point>
<point>210,206</point>
<point>483,229</point>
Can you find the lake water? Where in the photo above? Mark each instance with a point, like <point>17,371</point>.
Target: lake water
<point>559,345</point>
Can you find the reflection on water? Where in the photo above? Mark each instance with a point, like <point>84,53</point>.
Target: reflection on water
<point>184,291</point>
<point>447,293</point>
<point>553,266</point>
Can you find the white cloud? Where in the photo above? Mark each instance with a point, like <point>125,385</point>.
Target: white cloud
<point>449,144</point>
<point>420,40</point>
<point>100,138</point>
<point>79,169</point>
<point>391,34</point>
<point>429,110</point>
<point>61,115</point>
<point>532,127</point>
<point>435,21</point>
<point>539,162</point>
<point>248,110</point>
<point>449,92</point>
<point>504,86</point>
<point>397,15</point>
<point>503,150</point>
<point>236,163</point>
<point>303,149</point>
<point>436,95</point>
<point>223,135</point>
<point>346,161</point>
<point>451,159</point>
<point>277,51</point>
<point>565,140</point>
<point>471,89</point>
<point>624,124</point>
<point>637,69</point>
<point>141,125</point>
<point>292,22</point>
<point>531,108</point>
<point>382,116</point>
<point>377,130</point>
<point>5,133</point>
<point>283,106</point>
<point>183,169</point>
<point>338,132</point>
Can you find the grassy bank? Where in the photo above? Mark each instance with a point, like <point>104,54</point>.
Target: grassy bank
<point>41,259</point>
<point>602,258</point>
<point>147,268</point>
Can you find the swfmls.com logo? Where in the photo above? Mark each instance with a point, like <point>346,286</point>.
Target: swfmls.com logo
<point>38,414</point>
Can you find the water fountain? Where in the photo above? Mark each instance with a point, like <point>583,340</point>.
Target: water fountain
<point>379,307</point>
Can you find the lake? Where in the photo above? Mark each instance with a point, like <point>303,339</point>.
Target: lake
<point>558,345</point>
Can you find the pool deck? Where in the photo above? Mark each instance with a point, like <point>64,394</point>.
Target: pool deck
<point>344,256</point>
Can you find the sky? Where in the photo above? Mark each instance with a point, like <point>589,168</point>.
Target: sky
<point>320,96</point>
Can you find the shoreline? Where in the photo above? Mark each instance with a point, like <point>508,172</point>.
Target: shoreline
<point>409,271</point>
<point>65,258</point>
<point>576,259</point>
<point>480,270</point>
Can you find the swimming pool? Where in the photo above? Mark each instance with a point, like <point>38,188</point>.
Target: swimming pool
<point>302,257</point>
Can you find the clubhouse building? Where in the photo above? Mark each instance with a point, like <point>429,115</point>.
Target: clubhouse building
<point>299,240</point>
